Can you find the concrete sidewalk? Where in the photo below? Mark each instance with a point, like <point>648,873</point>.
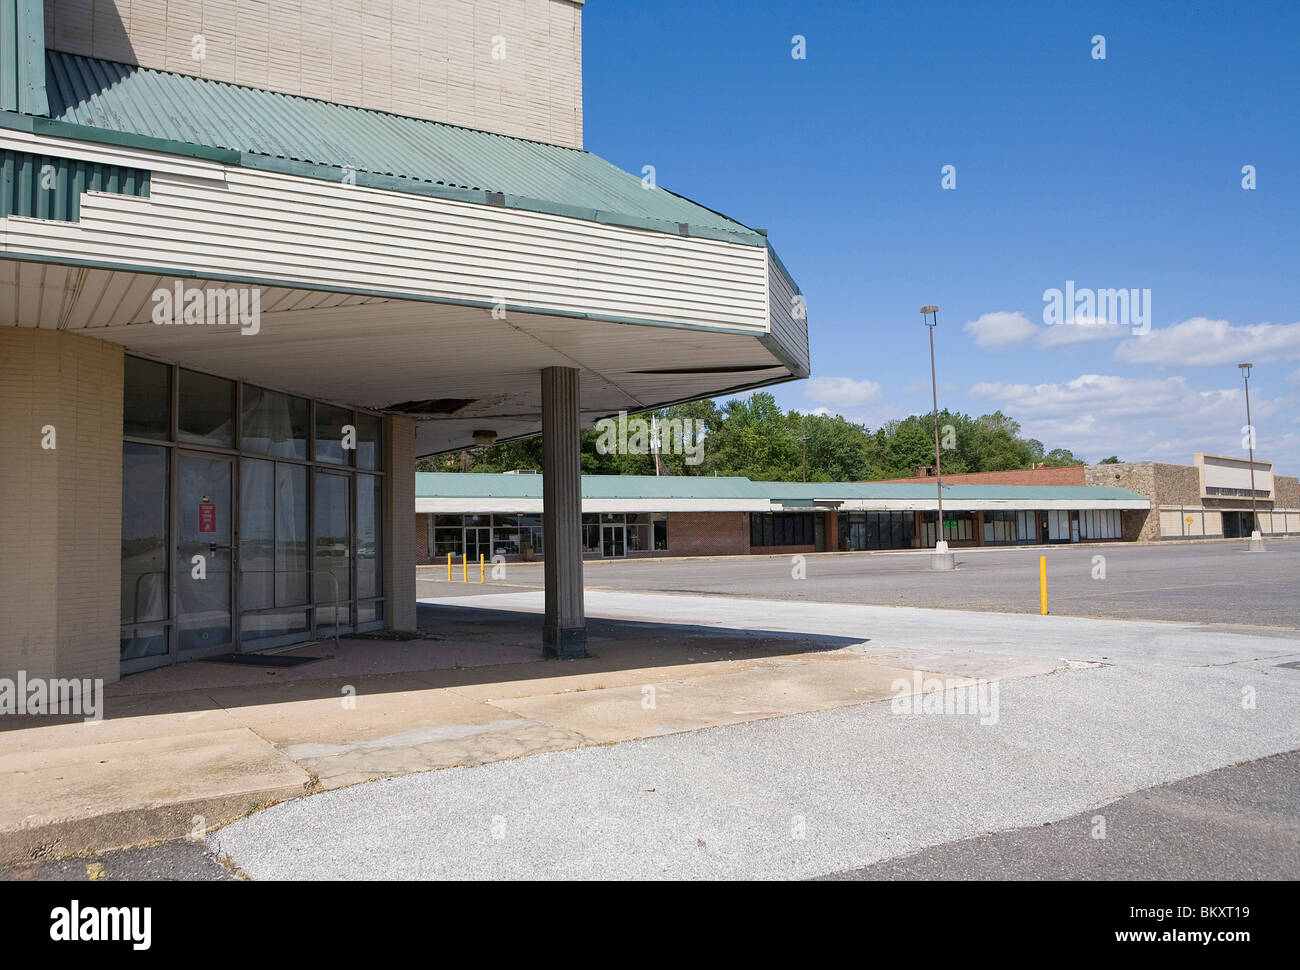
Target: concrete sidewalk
<point>186,749</point>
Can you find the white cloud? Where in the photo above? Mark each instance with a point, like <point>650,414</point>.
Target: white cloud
<point>1000,329</point>
<point>842,392</point>
<point>1200,342</point>
<point>1163,419</point>
<point>1083,330</point>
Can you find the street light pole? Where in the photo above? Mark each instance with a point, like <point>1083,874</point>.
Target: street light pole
<point>942,557</point>
<point>1256,540</point>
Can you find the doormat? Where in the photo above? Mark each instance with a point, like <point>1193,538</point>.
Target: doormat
<point>398,635</point>
<point>260,660</point>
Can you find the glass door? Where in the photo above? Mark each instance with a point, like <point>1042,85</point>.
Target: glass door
<point>204,564</point>
<point>478,541</point>
<point>612,541</point>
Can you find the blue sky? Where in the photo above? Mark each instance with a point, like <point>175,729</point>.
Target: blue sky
<point>1122,173</point>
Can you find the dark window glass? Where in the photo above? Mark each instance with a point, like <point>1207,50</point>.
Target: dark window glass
<point>257,535</point>
<point>144,548</point>
<point>369,517</point>
<point>207,410</point>
<point>333,539</point>
<point>147,399</point>
<point>369,441</point>
<point>331,425</point>
<point>274,423</point>
<point>291,540</point>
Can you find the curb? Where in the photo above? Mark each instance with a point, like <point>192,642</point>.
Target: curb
<point>135,826</point>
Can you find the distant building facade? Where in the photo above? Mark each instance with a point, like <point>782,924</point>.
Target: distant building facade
<point>493,516</point>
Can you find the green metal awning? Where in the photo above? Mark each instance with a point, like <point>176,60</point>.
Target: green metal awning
<point>95,99</point>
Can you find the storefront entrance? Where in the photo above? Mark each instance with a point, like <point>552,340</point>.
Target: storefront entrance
<point>1238,525</point>
<point>478,542</point>
<point>251,519</point>
<point>205,555</point>
<point>613,541</point>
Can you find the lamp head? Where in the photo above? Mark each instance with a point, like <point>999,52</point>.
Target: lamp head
<point>930,311</point>
<point>1245,370</point>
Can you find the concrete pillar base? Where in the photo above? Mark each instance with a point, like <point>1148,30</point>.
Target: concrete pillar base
<point>564,643</point>
<point>1256,542</point>
<point>941,559</point>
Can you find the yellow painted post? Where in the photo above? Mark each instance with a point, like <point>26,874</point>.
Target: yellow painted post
<point>464,568</point>
<point>449,567</point>
<point>1042,585</point>
<point>482,569</point>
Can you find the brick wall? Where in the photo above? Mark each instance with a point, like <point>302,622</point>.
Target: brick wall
<point>1071,475</point>
<point>426,58</point>
<point>708,533</point>
<point>422,526</point>
<point>61,518</point>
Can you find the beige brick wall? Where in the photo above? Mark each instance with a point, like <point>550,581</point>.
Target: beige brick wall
<point>427,58</point>
<point>399,523</point>
<point>61,518</point>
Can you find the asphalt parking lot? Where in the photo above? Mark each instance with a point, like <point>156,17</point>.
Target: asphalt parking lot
<point>1218,583</point>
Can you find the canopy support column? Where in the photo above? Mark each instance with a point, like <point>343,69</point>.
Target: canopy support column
<point>564,633</point>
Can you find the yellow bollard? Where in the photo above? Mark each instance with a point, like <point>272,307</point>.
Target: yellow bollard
<point>464,568</point>
<point>482,569</point>
<point>1042,585</point>
<point>449,567</point>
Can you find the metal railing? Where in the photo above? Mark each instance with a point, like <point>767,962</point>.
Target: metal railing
<point>332,576</point>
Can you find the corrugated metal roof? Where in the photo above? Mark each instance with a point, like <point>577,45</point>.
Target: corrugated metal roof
<point>474,485</point>
<point>886,490</point>
<point>383,149</point>
<point>22,41</point>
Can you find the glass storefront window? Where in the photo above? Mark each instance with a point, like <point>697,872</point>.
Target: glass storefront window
<point>207,410</point>
<point>291,537</point>
<point>293,520</point>
<point>145,532</point>
<point>147,399</point>
<point>274,423</point>
<point>282,623</point>
<point>257,535</point>
<point>369,441</point>
<point>333,541</point>
<point>660,521</point>
<point>370,515</point>
<point>330,424</point>
<point>446,541</point>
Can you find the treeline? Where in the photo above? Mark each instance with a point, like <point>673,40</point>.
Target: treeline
<point>754,438</point>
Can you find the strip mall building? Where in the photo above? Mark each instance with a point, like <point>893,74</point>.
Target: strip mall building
<point>257,258</point>
<point>477,515</point>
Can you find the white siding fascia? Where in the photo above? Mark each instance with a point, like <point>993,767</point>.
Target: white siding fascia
<point>292,231</point>
<point>88,151</point>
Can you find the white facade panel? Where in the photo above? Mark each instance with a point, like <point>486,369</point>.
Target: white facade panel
<point>295,231</point>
